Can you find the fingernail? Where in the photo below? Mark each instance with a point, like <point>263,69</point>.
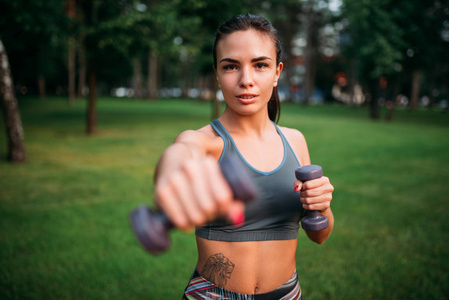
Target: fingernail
<point>296,188</point>
<point>239,219</point>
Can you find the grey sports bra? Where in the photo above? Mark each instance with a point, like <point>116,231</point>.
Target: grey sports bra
<point>275,213</point>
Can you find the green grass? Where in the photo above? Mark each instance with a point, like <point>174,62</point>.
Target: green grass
<point>64,230</point>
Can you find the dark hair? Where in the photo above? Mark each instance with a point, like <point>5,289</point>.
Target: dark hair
<point>246,22</point>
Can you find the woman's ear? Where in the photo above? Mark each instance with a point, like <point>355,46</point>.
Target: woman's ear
<point>216,77</point>
<point>278,73</point>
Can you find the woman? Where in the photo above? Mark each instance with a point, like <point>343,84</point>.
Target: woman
<point>254,256</point>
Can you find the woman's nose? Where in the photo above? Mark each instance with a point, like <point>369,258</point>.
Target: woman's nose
<point>246,78</point>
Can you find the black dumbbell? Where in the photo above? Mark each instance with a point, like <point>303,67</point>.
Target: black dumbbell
<point>313,221</point>
<point>152,228</point>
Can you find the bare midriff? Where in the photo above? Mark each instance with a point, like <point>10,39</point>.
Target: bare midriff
<point>247,267</point>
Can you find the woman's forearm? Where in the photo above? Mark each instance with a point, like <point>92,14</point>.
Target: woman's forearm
<point>321,236</point>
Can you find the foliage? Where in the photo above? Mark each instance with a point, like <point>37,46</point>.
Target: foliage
<point>386,38</point>
<point>376,37</point>
<point>139,28</point>
<point>34,32</point>
<point>395,38</point>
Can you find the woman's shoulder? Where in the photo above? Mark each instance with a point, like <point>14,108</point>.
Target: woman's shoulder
<point>298,143</point>
<point>204,138</point>
<point>294,136</point>
<point>198,136</point>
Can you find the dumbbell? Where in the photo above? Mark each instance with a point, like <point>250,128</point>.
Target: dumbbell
<point>313,221</point>
<point>152,227</point>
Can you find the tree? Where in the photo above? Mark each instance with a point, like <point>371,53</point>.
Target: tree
<point>376,40</point>
<point>13,123</point>
<point>425,46</point>
<point>199,37</point>
<point>71,53</point>
<point>399,42</point>
<point>35,32</point>
<point>314,15</point>
<point>286,18</point>
<point>90,11</point>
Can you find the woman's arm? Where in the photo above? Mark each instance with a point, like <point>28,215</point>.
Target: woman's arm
<point>186,146</point>
<point>321,236</point>
<point>190,187</point>
<point>315,194</point>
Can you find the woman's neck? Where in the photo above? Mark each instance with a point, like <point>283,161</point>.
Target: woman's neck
<point>255,124</point>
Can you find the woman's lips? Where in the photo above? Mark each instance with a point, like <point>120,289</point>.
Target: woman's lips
<point>247,98</point>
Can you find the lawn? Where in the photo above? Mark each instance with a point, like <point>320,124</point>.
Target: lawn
<point>65,234</point>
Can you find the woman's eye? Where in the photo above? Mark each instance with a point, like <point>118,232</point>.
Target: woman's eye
<point>261,65</point>
<point>230,67</point>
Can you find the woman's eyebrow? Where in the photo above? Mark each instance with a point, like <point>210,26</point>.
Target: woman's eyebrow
<point>229,60</point>
<point>260,58</point>
<point>252,60</point>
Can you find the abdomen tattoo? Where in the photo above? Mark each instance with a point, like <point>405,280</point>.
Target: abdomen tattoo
<point>218,269</point>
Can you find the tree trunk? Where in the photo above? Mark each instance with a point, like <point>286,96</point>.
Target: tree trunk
<point>137,78</point>
<point>416,84</point>
<point>92,99</point>
<point>311,53</point>
<point>71,44</point>
<point>152,75</point>
<point>8,101</point>
<point>82,67</point>
<point>92,53</point>
<point>374,101</point>
<point>186,77</point>
<point>391,102</point>
<point>352,82</point>
<point>431,94</point>
<point>41,86</point>
<point>71,69</point>
<point>288,33</point>
<point>374,107</point>
<point>390,110</point>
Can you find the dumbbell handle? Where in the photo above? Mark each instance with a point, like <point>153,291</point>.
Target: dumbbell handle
<point>151,227</point>
<point>314,221</point>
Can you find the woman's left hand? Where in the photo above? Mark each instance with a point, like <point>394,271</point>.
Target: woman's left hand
<point>316,194</point>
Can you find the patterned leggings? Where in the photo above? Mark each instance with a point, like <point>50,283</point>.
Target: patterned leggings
<point>201,289</point>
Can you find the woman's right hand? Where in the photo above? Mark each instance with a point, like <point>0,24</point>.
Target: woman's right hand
<point>195,193</point>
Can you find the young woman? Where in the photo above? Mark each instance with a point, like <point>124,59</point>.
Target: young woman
<point>252,255</point>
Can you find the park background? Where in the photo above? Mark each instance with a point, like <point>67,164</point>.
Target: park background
<point>102,87</point>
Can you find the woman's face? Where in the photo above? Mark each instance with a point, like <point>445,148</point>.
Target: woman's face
<point>247,71</point>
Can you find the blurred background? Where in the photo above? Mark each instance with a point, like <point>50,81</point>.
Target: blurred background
<point>348,51</point>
